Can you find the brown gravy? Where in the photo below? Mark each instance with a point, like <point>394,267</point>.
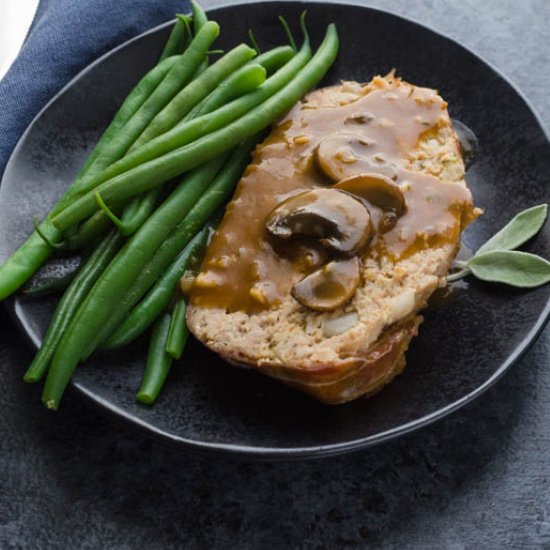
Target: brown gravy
<point>242,271</point>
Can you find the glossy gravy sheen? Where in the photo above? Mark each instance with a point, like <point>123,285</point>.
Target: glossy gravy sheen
<point>242,271</point>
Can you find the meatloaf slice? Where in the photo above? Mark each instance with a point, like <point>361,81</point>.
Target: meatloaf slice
<point>241,304</point>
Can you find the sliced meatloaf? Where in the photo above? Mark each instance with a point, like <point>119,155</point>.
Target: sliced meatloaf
<point>242,304</point>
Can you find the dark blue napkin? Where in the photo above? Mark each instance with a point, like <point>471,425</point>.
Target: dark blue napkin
<point>65,37</point>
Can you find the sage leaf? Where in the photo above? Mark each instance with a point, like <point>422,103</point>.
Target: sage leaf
<point>511,267</point>
<point>521,228</point>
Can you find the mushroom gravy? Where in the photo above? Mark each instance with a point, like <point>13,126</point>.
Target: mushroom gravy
<point>247,269</point>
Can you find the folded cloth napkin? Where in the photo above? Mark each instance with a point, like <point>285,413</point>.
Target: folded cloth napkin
<point>65,37</point>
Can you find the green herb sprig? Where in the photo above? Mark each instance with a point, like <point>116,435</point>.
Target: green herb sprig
<point>498,261</point>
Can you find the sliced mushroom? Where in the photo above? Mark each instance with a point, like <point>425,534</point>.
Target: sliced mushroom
<point>305,253</point>
<point>376,189</point>
<point>339,221</point>
<point>379,191</point>
<point>329,287</point>
<point>341,155</point>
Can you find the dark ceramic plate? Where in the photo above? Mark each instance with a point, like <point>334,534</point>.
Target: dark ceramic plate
<point>462,348</point>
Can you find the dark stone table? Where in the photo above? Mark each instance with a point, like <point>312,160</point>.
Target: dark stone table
<point>479,479</point>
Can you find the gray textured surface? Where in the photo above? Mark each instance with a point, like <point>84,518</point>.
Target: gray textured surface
<point>476,480</point>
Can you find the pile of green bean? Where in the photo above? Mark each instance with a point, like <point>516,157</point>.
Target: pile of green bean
<point>139,227</point>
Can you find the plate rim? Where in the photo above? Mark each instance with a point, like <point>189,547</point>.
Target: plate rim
<point>286,453</point>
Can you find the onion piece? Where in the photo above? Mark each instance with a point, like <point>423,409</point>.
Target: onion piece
<point>339,325</point>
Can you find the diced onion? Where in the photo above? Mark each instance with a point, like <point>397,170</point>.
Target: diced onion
<point>403,304</point>
<point>339,325</point>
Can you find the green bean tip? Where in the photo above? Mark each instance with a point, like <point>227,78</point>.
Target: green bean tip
<point>253,41</point>
<point>41,234</point>
<point>30,378</point>
<point>288,32</point>
<point>51,404</point>
<point>303,25</point>
<point>186,20</point>
<point>145,398</point>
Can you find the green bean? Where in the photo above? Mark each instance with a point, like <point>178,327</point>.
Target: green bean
<point>143,89</point>
<point>245,80</point>
<point>253,41</point>
<point>108,212</point>
<point>81,337</point>
<point>153,173</point>
<point>178,334</point>
<point>139,209</point>
<point>158,298</point>
<point>136,268</point>
<point>199,20</point>
<point>187,132</point>
<point>157,265</point>
<point>274,59</point>
<point>30,256</point>
<point>158,364</point>
<point>88,231</point>
<point>135,213</point>
<point>187,20</point>
<point>131,105</point>
<point>194,92</point>
<point>208,123</point>
<point>177,41</point>
<point>288,32</point>
<point>199,16</point>
<point>178,76</point>
<point>128,109</point>
<point>71,300</point>
<point>162,110</point>
<point>27,259</point>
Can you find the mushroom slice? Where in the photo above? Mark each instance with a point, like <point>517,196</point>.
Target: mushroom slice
<point>380,191</point>
<point>304,253</point>
<point>329,287</point>
<point>339,221</point>
<point>376,189</point>
<point>341,155</point>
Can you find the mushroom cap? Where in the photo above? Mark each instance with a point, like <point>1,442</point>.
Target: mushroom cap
<point>344,154</point>
<point>376,189</point>
<point>305,253</point>
<point>330,286</point>
<point>339,221</point>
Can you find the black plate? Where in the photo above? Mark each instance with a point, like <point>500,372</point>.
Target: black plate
<point>463,347</point>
